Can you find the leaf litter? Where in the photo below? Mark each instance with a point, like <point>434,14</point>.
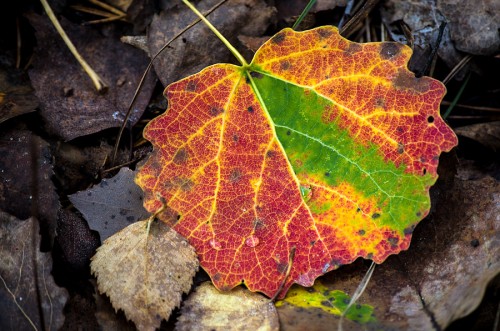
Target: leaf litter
<point>83,314</point>
<point>141,280</point>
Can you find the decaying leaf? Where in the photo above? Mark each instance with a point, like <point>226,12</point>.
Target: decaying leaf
<point>199,47</point>
<point>145,274</point>
<point>331,301</point>
<point>441,278</point>
<point>27,288</point>
<point>209,309</point>
<point>321,146</point>
<point>69,104</point>
<point>26,185</point>
<point>112,204</point>
<point>16,94</point>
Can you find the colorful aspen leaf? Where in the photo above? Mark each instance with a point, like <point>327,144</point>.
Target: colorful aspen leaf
<point>318,152</point>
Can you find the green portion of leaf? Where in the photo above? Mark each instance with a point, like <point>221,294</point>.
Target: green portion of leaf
<point>326,152</point>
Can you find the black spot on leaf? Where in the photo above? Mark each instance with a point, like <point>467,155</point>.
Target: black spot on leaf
<point>390,50</point>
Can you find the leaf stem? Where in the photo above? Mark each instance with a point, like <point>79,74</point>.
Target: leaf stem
<point>226,42</point>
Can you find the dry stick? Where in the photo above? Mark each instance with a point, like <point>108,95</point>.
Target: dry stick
<point>143,78</point>
<point>99,84</point>
<point>457,68</point>
<point>108,7</point>
<point>361,14</point>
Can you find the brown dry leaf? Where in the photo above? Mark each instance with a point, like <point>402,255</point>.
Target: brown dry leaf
<point>199,47</point>
<point>69,104</point>
<point>16,94</point>
<point>209,309</point>
<point>487,134</point>
<point>112,204</point>
<point>26,187</point>
<point>145,274</point>
<point>423,19</point>
<point>27,288</point>
<point>441,278</point>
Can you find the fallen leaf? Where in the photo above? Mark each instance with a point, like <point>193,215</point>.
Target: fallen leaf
<point>199,47</point>
<point>16,94</point>
<point>26,187</point>
<point>112,204</point>
<point>320,146</point>
<point>209,309</point>
<point>145,273</point>
<point>76,241</point>
<point>29,298</point>
<point>331,301</point>
<point>69,104</point>
<point>441,278</point>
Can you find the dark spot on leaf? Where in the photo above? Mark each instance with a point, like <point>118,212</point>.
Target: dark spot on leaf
<point>270,154</point>
<point>113,217</point>
<point>185,184</point>
<point>326,303</point>
<point>184,40</point>
<point>353,48</point>
<point>327,174</point>
<point>214,111</point>
<point>380,102</point>
<point>324,33</point>
<point>409,230</point>
<point>247,80</point>
<point>399,129</point>
<point>216,277</point>
<point>178,217</point>
<point>278,39</point>
<point>474,243</point>
<point>235,175</point>
<point>313,242</point>
<point>358,210</point>
<point>358,306</point>
<point>250,109</point>
<point>130,218</point>
<point>390,50</point>
<point>406,80</point>
<point>123,212</point>
<point>418,214</point>
<point>393,241</point>
<point>424,171</point>
<point>282,267</point>
<point>401,148</point>
<point>346,301</point>
<point>369,255</point>
<point>361,232</point>
<point>236,138</point>
<point>191,86</point>
<point>181,156</point>
<point>375,216</point>
<point>285,65</point>
<point>288,133</point>
<point>258,224</point>
<point>430,119</point>
<point>256,75</point>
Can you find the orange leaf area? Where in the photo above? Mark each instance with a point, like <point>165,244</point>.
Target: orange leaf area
<point>270,212</point>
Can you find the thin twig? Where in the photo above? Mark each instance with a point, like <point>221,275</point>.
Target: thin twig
<point>143,78</point>
<point>357,294</point>
<point>457,68</point>
<point>108,7</point>
<point>99,84</point>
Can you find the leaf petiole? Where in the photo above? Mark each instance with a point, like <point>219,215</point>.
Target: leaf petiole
<point>226,42</point>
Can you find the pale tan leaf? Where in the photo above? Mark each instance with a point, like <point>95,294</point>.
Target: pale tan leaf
<point>240,309</point>
<point>145,274</point>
